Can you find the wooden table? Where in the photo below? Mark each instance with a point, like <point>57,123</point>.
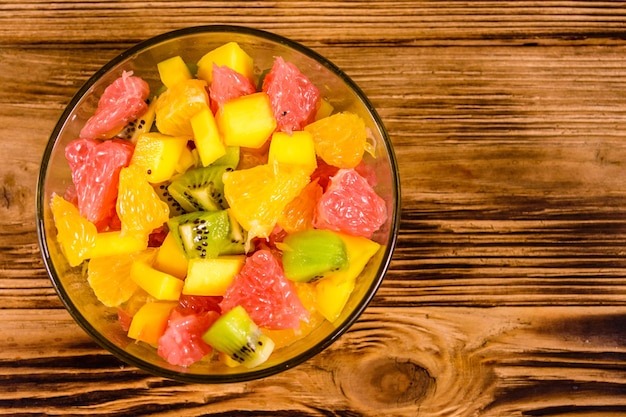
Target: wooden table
<point>507,292</point>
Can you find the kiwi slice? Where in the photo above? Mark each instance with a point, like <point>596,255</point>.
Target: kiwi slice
<point>202,188</point>
<point>230,158</point>
<point>312,254</point>
<point>207,234</point>
<point>164,195</point>
<point>142,124</point>
<point>236,335</point>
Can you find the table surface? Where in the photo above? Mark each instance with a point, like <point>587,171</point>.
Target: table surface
<point>506,295</point>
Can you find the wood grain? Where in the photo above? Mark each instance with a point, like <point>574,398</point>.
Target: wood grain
<point>507,292</point>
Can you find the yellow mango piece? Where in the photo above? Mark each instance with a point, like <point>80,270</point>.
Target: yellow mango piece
<point>116,243</point>
<point>333,291</point>
<point>246,121</point>
<point>187,160</point>
<point>230,55</point>
<point>295,149</point>
<point>158,284</point>
<point>207,137</point>
<point>150,321</point>
<point>324,110</point>
<point>158,155</point>
<point>173,70</point>
<point>212,277</point>
<point>171,258</point>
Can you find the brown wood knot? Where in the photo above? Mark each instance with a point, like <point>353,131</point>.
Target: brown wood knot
<point>387,382</point>
<point>13,195</point>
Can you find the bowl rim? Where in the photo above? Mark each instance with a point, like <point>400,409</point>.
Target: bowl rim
<point>251,374</point>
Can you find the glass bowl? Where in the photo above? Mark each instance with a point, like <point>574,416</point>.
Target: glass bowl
<point>192,43</point>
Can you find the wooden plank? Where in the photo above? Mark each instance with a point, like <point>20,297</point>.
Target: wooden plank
<point>344,23</point>
<point>455,361</point>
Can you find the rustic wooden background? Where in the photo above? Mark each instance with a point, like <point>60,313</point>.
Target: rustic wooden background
<point>507,293</point>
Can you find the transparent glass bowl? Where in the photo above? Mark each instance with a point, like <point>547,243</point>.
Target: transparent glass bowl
<point>191,43</point>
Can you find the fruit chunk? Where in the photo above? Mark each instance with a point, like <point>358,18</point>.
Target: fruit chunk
<point>312,254</point>
<point>325,109</point>
<point>188,159</point>
<point>158,155</point>
<point>262,289</point>
<point>173,70</point>
<point>299,212</point>
<point>296,149</point>
<point>75,234</point>
<point>181,344</point>
<point>150,321</point>
<point>211,277</point>
<point>115,243</point>
<point>171,258</point>
<point>293,96</point>
<point>332,292</point>
<point>178,104</point>
<point>207,137</point>
<point>236,335</point>
<point>339,139</point>
<point>144,123</point>
<point>206,234</point>
<point>257,196</point>
<point>160,285</point>
<point>200,188</point>
<point>246,121</point>
<point>226,85</point>
<point>95,170</point>
<point>109,277</point>
<point>350,205</point>
<point>165,196</point>
<point>230,55</point>
<point>122,101</point>
<point>138,206</point>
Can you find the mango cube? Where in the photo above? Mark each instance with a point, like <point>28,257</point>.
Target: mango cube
<point>150,321</point>
<point>295,149</point>
<point>246,121</point>
<point>115,243</point>
<point>171,258</point>
<point>188,158</point>
<point>207,137</point>
<point>173,70</point>
<point>158,155</point>
<point>230,55</point>
<point>333,291</point>
<point>324,110</point>
<point>212,276</point>
<point>158,284</point>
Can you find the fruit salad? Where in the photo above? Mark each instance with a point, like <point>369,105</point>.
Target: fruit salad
<point>224,214</point>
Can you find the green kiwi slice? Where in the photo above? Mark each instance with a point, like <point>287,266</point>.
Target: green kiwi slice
<point>312,254</point>
<point>175,207</point>
<point>207,234</point>
<point>236,335</point>
<point>202,188</point>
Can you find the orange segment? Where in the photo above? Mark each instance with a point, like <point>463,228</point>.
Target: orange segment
<point>109,277</point>
<point>138,206</point>
<point>339,139</point>
<point>299,212</point>
<point>178,104</point>
<point>257,196</point>
<point>75,234</point>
